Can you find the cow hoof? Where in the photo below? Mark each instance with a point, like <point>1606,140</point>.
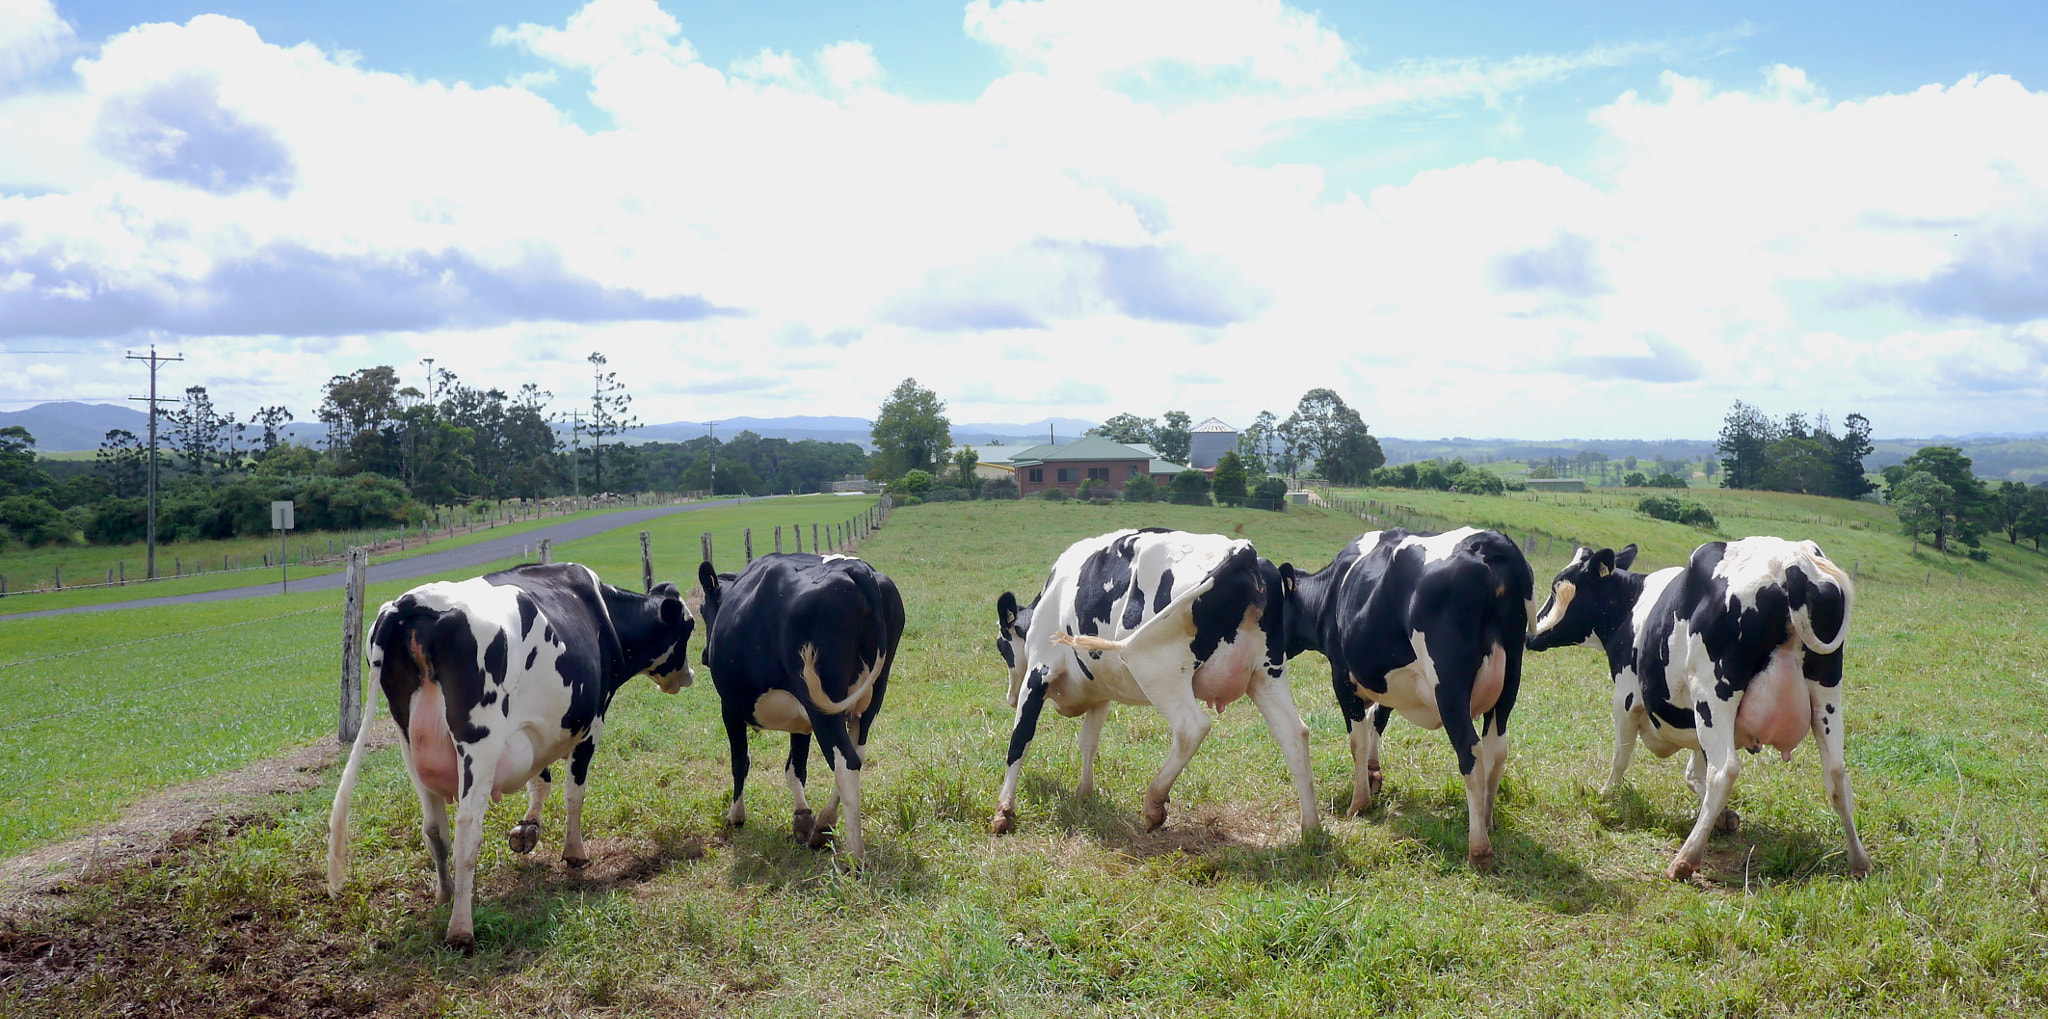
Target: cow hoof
<point>576,862</point>
<point>1859,871</point>
<point>1358,807</point>
<point>1679,870</point>
<point>464,942</point>
<point>803,825</point>
<point>1373,780</point>
<point>1728,821</point>
<point>1482,861</point>
<point>821,836</point>
<point>1003,823</point>
<point>1155,815</point>
<point>524,836</point>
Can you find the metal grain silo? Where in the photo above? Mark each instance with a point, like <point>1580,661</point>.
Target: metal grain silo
<point>1212,439</point>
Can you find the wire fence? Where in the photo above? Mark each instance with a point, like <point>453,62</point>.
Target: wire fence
<point>384,544</point>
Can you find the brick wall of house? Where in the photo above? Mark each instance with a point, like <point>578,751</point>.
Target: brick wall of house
<point>1119,471</point>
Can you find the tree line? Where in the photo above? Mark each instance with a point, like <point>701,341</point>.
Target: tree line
<point>392,454</point>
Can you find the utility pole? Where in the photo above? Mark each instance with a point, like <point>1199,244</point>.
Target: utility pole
<point>154,362</point>
<point>713,426</point>
<point>429,362</point>
<point>575,450</point>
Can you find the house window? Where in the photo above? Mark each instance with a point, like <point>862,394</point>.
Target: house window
<point>1134,470</point>
<point>1098,473</point>
<point>1069,474</point>
<point>1037,475</point>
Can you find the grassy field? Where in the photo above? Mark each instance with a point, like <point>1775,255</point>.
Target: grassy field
<point>1227,910</point>
<point>210,565</point>
<point>191,691</point>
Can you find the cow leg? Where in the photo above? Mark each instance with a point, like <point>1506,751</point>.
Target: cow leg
<point>859,728</point>
<point>1091,737</point>
<point>1275,701</point>
<point>1021,730</point>
<point>573,852</point>
<point>796,772</point>
<point>1827,731</point>
<point>1190,726</point>
<point>1716,721</point>
<point>434,828</point>
<point>525,836</point>
<point>1365,739</point>
<point>1456,663</point>
<point>479,767</point>
<point>736,739</point>
<point>837,744</point>
<point>1624,735</point>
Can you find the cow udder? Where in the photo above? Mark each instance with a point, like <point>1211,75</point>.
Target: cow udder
<point>1224,677</point>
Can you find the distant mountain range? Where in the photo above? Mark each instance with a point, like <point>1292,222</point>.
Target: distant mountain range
<point>63,427</point>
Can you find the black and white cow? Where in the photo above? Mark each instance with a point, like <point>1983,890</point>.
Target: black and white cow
<point>490,681</point>
<point>802,643</point>
<point>1739,649</point>
<point>1428,625</point>
<point>1158,617</point>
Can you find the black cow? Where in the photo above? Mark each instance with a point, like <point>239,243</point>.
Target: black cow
<point>491,680</point>
<point>1739,649</point>
<point>1431,626</point>
<point>801,643</point>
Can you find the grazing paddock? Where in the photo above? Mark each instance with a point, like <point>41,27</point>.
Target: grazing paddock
<point>1226,911</point>
<point>106,707</point>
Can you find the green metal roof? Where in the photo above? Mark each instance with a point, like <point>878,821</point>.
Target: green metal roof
<point>1094,447</point>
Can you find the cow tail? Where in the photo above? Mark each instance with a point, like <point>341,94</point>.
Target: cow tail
<point>337,817</point>
<point>390,635</point>
<point>1827,607</point>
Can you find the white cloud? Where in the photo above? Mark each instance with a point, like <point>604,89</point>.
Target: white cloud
<point>1099,230</point>
<point>32,38</point>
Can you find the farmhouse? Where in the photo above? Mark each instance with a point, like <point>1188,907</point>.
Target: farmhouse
<point>1068,465</point>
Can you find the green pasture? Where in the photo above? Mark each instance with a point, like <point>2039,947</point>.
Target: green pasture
<point>207,564</point>
<point>1227,911</point>
<point>188,691</point>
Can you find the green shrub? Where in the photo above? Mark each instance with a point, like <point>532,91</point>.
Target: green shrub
<point>1054,495</point>
<point>1271,490</point>
<point>1141,489</point>
<point>1191,488</point>
<point>913,482</point>
<point>1667,507</point>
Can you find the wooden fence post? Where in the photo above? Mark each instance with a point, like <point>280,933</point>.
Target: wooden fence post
<point>778,539</point>
<point>706,540</point>
<point>747,543</point>
<point>124,571</point>
<point>547,551</point>
<point>646,564</point>
<point>352,647</point>
<point>60,577</point>
<point>814,539</point>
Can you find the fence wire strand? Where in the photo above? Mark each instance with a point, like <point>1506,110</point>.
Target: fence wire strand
<point>163,636</point>
<point>117,698</point>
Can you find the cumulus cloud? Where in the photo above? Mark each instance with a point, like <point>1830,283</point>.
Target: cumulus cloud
<point>32,38</point>
<point>1112,195</point>
<point>287,290</point>
<point>179,131</point>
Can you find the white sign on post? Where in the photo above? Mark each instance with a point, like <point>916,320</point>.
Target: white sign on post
<point>281,521</point>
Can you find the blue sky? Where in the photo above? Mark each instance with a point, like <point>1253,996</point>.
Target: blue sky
<point>1520,220</point>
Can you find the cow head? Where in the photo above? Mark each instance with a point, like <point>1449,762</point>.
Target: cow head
<point>1012,623</point>
<point>1588,600</point>
<point>671,668</point>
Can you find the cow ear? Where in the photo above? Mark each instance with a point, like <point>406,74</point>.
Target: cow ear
<point>1006,612</point>
<point>672,609</point>
<point>665,590</point>
<point>707,578</point>
<point>1626,557</point>
<point>1288,578</point>
<point>1603,561</point>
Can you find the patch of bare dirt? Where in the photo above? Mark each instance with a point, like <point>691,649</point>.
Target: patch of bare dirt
<point>171,820</point>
